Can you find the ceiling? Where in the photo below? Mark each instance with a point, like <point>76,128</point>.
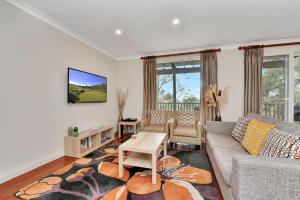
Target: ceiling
<point>147,24</point>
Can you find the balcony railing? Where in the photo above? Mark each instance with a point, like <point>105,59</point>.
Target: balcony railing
<point>178,106</point>
<point>274,110</point>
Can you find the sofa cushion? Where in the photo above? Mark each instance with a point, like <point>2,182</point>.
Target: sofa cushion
<point>255,136</point>
<point>281,144</point>
<point>287,127</point>
<point>185,131</point>
<point>223,157</point>
<point>154,128</point>
<point>240,127</point>
<point>158,117</point>
<point>220,140</point>
<point>186,118</point>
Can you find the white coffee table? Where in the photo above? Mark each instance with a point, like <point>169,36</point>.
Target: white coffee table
<point>144,151</point>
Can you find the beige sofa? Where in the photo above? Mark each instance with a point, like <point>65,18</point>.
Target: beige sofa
<point>188,135</point>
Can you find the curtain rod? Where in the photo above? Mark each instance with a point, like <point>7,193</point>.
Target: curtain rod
<point>180,54</point>
<point>268,45</point>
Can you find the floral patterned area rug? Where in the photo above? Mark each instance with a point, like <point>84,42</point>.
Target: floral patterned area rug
<point>182,175</point>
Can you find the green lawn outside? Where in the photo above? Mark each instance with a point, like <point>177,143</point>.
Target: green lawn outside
<point>83,94</point>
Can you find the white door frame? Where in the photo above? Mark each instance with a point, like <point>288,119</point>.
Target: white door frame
<point>289,115</point>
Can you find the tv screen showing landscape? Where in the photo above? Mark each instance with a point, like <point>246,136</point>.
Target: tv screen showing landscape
<point>85,87</point>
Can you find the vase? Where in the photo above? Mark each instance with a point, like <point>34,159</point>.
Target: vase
<point>75,134</point>
<point>218,116</point>
<point>70,131</point>
<point>120,118</point>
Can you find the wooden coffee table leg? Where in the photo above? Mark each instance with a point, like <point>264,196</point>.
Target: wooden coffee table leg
<point>121,163</point>
<point>154,168</point>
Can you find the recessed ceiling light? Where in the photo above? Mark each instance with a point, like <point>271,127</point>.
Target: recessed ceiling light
<point>118,32</point>
<point>176,21</point>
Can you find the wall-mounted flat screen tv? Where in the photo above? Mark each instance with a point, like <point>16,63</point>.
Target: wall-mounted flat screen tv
<point>84,87</point>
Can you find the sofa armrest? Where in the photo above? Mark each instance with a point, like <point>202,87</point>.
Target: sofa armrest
<point>199,128</point>
<point>256,177</point>
<point>172,127</point>
<point>219,127</point>
<point>145,122</point>
<point>168,124</point>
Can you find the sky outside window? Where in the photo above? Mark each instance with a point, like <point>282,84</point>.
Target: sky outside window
<point>85,79</point>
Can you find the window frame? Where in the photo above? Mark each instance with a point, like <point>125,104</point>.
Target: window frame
<point>289,100</point>
<point>173,71</point>
<point>286,85</point>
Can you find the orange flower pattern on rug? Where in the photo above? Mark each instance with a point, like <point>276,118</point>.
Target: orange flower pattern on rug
<point>119,193</point>
<point>168,162</point>
<point>83,161</point>
<point>141,183</point>
<point>174,179</point>
<point>176,189</point>
<point>63,170</point>
<point>112,170</point>
<point>38,188</point>
<point>194,175</point>
<point>171,167</point>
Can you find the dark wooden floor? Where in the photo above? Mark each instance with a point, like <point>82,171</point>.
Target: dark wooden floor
<point>8,188</point>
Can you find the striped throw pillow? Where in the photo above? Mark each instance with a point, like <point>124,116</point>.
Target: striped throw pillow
<point>281,144</point>
<point>187,118</point>
<point>240,127</point>
<point>158,117</point>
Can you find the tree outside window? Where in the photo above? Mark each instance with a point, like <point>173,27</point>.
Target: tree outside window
<point>178,86</point>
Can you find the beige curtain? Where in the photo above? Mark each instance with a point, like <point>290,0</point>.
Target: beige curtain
<point>149,98</point>
<point>252,88</point>
<point>209,75</point>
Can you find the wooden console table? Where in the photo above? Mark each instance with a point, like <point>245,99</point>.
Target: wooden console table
<point>99,137</point>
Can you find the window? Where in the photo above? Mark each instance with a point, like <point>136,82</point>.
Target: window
<point>281,87</point>
<point>178,85</point>
<point>297,89</point>
<point>274,86</point>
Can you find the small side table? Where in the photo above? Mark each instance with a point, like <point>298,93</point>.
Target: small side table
<point>124,123</point>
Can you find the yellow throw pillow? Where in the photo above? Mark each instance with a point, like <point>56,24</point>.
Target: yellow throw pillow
<point>255,136</point>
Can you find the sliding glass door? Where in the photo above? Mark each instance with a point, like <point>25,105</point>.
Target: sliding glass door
<point>275,87</point>
<point>281,87</point>
<point>297,89</point>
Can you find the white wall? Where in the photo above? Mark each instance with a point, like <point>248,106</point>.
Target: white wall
<point>231,74</point>
<point>130,75</point>
<point>34,113</point>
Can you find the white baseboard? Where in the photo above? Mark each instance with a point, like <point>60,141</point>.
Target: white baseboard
<point>17,171</point>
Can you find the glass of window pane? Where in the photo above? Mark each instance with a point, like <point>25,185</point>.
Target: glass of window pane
<point>297,89</point>
<point>188,91</point>
<point>165,92</point>
<point>274,87</point>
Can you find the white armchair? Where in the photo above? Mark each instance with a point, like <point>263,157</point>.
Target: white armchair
<point>191,133</point>
<point>146,124</point>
